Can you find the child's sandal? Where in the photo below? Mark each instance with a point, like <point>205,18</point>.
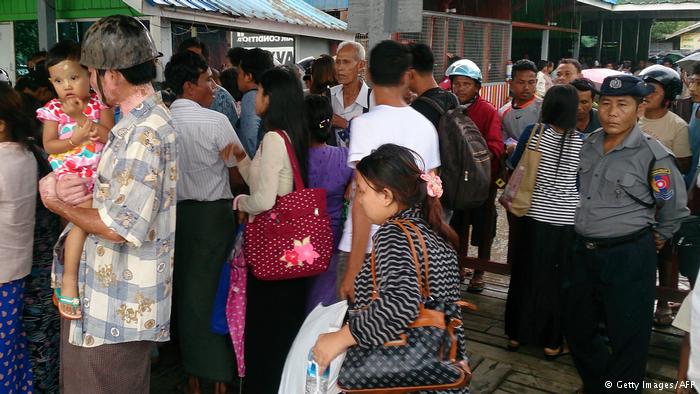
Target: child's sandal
<point>74,302</point>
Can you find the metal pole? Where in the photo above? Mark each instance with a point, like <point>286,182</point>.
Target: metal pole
<point>636,45</point>
<point>619,43</point>
<point>46,18</point>
<point>544,55</point>
<point>600,40</point>
<point>577,43</point>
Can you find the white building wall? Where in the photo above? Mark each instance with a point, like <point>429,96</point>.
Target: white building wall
<point>310,46</point>
<point>7,55</point>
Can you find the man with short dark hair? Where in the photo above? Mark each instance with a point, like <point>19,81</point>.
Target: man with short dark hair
<point>205,221</point>
<point>194,44</point>
<point>223,100</point>
<point>254,63</point>
<point>633,200</point>
<point>694,125</point>
<point>233,57</point>
<point>391,121</point>
<point>586,116</point>
<point>422,82</point>
<point>568,70</point>
<point>524,109</point>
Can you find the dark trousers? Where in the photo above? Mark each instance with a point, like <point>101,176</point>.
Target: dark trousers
<point>617,284</point>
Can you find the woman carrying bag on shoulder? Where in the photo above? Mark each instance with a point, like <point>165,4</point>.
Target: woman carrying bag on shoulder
<point>275,308</point>
<point>545,225</point>
<point>411,273</point>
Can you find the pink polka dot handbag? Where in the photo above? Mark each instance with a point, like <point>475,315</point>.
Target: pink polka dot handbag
<point>294,238</point>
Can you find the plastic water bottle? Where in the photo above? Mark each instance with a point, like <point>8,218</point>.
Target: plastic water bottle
<point>316,384</point>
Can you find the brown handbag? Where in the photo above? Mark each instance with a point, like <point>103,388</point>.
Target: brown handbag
<point>424,357</point>
<point>517,196</point>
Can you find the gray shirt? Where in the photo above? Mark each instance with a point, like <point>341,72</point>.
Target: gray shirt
<point>515,119</point>
<point>639,168</point>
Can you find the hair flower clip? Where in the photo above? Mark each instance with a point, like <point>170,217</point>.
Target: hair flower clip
<point>434,184</point>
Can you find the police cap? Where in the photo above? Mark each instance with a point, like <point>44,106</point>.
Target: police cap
<point>625,85</point>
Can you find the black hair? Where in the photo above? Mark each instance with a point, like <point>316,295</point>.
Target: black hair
<point>559,106</point>
<point>322,74</point>
<point>184,67</point>
<point>523,65</point>
<point>18,125</point>
<point>423,60</point>
<point>38,55</point>
<point>26,82</point>
<point>255,62</point>
<point>64,50</point>
<point>229,82</point>
<point>394,167</point>
<point>585,85</point>
<point>319,114</point>
<point>286,103</point>
<point>194,42</point>
<point>235,55</point>
<point>388,61</point>
<point>696,69</point>
<point>559,109</point>
<point>140,74</point>
<point>542,64</point>
<point>573,62</point>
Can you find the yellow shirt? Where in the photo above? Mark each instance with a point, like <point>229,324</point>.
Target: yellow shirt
<point>671,131</point>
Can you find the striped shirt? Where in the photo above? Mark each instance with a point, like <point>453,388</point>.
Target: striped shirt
<point>201,135</point>
<point>555,196</point>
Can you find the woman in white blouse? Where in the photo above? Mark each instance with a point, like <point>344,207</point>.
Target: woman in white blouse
<point>18,196</point>
<point>275,309</point>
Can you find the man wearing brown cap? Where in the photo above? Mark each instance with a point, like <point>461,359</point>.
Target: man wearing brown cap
<point>125,276</point>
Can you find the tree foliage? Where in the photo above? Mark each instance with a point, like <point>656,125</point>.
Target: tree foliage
<point>659,30</point>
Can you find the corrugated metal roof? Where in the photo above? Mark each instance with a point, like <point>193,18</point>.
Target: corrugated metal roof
<point>329,4</point>
<point>651,2</point>
<point>296,12</point>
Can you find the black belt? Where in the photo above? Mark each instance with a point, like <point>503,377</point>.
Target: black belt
<point>602,243</point>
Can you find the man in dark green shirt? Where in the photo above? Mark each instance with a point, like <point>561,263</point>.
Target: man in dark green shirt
<point>586,116</point>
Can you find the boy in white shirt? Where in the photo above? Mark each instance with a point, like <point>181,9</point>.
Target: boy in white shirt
<point>392,120</point>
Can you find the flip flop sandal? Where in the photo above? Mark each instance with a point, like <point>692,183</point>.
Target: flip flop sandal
<point>513,345</point>
<point>476,286</point>
<point>553,354</point>
<point>74,302</point>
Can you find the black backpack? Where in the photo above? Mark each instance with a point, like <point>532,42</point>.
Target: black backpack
<point>465,157</point>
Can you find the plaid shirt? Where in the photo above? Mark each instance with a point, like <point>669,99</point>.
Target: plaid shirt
<point>125,288</point>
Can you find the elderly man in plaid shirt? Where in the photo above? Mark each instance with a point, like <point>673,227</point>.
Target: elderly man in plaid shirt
<point>125,273</point>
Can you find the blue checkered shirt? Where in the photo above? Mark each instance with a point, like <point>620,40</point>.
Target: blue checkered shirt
<point>125,288</point>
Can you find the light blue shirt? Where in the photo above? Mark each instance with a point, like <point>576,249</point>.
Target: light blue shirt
<point>249,128</point>
<point>224,104</point>
<point>694,137</point>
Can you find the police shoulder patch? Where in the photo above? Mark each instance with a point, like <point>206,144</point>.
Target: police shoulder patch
<point>661,183</point>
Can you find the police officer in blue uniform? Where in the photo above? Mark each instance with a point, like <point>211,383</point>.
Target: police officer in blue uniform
<point>633,200</point>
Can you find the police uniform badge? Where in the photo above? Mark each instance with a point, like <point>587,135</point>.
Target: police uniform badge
<point>615,83</point>
<point>661,184</point>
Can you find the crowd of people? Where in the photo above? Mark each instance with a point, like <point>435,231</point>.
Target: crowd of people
<point>152,185</point>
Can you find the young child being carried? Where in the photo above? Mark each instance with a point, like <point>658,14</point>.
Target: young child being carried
<point>74,139</point>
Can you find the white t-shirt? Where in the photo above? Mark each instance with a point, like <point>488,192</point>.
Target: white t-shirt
<point>385,124</point>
